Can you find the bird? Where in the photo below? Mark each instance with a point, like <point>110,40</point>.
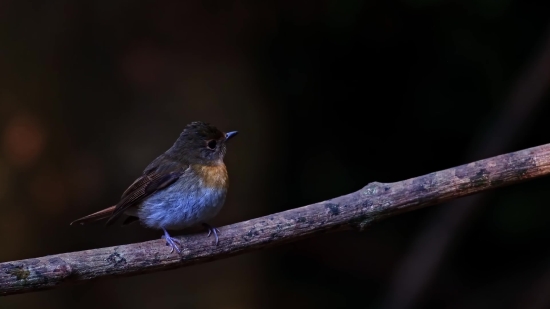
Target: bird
<point>183,187</point>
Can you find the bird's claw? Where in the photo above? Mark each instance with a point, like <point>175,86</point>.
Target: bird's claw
<point>172,242</point>
<point>212,230</point>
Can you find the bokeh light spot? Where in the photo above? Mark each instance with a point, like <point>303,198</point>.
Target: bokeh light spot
<point>23,139</point>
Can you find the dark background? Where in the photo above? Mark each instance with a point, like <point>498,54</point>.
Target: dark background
<point>327,96</point>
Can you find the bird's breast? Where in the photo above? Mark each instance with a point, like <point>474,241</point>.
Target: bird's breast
<point>190,200</point>
<point>212,176</point>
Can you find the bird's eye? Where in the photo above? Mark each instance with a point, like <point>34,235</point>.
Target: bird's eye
<point>211,144</point>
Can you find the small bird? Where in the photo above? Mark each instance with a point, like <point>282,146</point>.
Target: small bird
<point>181,188</point>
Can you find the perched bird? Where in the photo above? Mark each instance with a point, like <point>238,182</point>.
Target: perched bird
<point>183,187</point>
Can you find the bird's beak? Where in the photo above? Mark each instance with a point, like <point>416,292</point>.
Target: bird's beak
<point>229,135</point>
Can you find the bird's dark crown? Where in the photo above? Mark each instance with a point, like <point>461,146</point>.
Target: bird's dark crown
<point>200,142</point>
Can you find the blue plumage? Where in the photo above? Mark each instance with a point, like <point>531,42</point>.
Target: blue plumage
<point>185,203</point>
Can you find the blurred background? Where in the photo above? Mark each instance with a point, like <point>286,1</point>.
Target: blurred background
<point>327,96</point>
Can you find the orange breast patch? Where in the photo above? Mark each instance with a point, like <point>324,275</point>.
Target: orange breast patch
<point>213,176</point>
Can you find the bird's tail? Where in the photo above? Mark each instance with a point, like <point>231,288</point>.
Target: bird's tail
<point>96,216</point>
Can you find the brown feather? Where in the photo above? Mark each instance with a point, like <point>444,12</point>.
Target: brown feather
<point>102,214</point>
<point>143,187</point>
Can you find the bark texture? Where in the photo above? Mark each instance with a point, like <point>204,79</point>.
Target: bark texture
<point>356,210</point>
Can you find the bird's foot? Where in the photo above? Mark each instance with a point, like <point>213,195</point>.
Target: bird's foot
<point>172,242</point>
<point>212,230</point>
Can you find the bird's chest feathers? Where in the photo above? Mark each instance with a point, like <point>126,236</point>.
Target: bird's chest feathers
<point>212,176</point>
<point>188,201</point>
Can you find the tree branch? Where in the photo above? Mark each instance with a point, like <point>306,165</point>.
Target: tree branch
<point>419,266</point>
<point>354,210</point>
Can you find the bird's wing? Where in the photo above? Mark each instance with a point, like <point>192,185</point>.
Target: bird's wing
<point>150,182</point>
